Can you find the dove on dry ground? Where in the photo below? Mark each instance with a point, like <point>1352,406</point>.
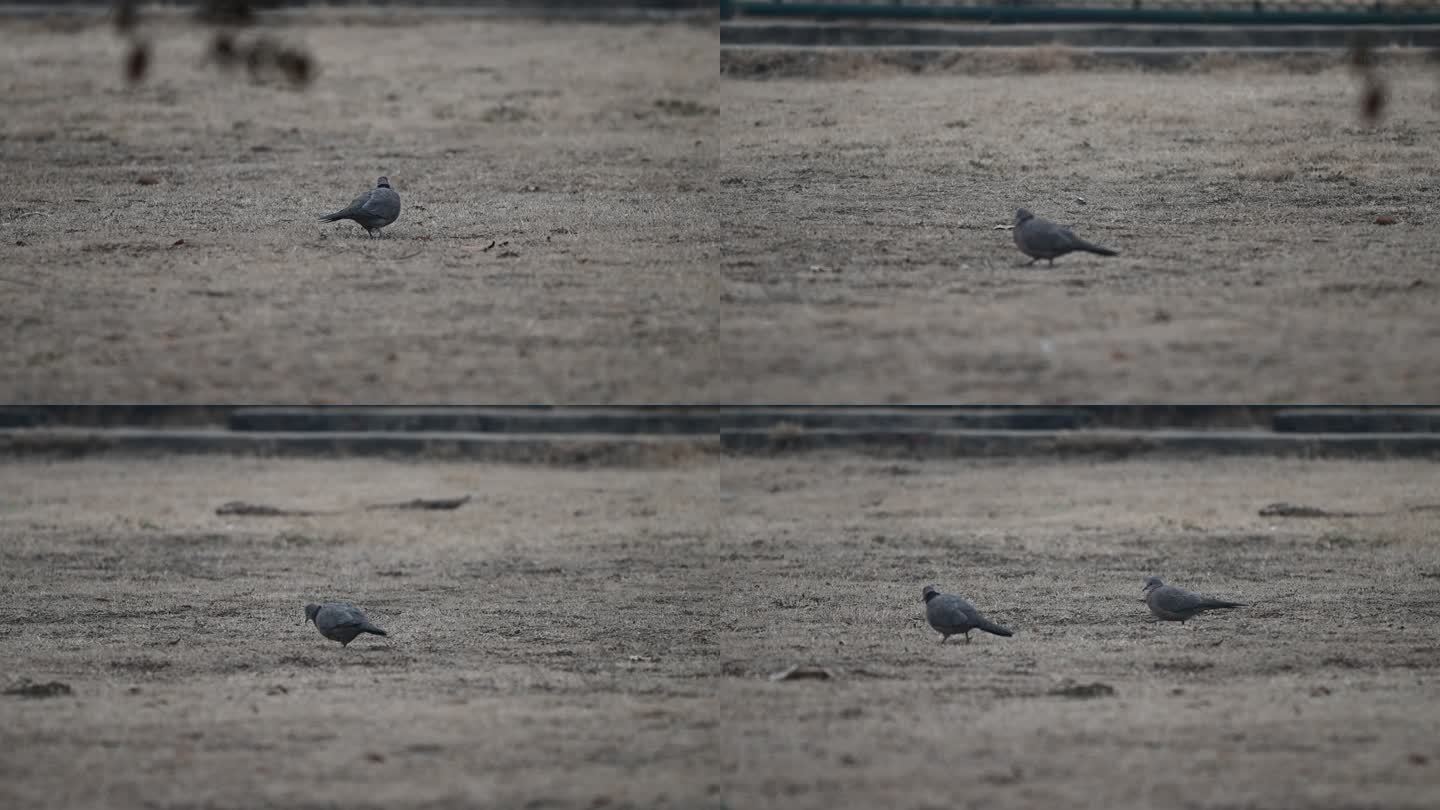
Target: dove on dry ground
<point>1171,604</point>
<point>374,209</point>
<point>951,615</point>
<point>1042,239</point>
<point>340,621</point>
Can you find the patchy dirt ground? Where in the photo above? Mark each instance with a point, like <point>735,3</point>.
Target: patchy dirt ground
<point>861,259</point>
<point>583,152</point>
<point>603,638</point>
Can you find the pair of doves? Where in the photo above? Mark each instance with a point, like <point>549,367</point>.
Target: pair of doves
<point>951,615</point>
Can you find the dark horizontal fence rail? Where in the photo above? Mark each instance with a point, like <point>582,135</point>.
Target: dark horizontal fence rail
<point>262,5</point>
<point>1157,12</point>
<point>670,435</point>
<point>711,419</point>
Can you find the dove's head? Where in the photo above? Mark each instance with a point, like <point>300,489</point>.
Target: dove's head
<point>310,611</point>
<point>1023,214</point>
<point>929,593</point>
<point>1152,583</point>
<point>383,182</point>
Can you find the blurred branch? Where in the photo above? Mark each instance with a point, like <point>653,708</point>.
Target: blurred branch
<point>263,56</point>
<point>1365,62</point>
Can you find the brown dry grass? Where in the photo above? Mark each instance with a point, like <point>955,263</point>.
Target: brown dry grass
<point>861,260</point>
<point>585,151</point>
<point>570,639</point>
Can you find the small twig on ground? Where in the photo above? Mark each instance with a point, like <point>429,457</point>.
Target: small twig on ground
<point>21,281</point>
<point>245,509</point>
<point>1298,511</point>
<point>261,510</point>
<point>424,503</point>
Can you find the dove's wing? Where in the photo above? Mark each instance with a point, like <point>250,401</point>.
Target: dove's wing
<point>951,610</point>
<point>334,617</point>
<point>359,203</point>
<point>1046,236</point>
<point>1177,600</point>
<point>383,203</point>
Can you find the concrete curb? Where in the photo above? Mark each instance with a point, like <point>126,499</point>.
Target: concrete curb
<point>1345,421</point>
<point>655,422</point>
<point>618,13</point>
<point>696,420</point>
<point>615,450</point>
<point>516,449</point>
<point>769,62</point>
<point>1101,444</point>
<point>941,35</point>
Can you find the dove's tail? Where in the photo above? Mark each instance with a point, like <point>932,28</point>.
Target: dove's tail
<point>991,627</point>
<point>338,215</point>
<point>1093,248</point>
<point>1218,604</point>
<point>370,628</point>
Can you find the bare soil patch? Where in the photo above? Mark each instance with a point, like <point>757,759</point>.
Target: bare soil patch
<point>555,244</point>
<point>861,260</point>
<point>573,638</point>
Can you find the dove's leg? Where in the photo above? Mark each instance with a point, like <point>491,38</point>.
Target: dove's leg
<point>967,636</point>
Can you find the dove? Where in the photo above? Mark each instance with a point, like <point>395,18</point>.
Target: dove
<point>949,614</point>
<point>374,209</point>
<point>1172,604</point>
<point>340,621</point>
<point>1042,239</point>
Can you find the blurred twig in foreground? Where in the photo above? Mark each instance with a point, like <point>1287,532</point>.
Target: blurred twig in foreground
<point>262,55</point>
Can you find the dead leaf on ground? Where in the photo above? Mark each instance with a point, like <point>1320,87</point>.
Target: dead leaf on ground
<point>425,503</point>
<point>26,688</point>
<point>802,673</point>
<point>1082,691</point>
<point>1299,511</point>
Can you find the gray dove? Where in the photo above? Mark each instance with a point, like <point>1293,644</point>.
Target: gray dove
<point>950,615</point>
<point>1173,604</point>
<point>340,621</point>
<point>374,209</point>
<point>1042,239</point>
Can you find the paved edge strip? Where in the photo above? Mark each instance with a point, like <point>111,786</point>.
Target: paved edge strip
<point>876,34</point>
<point>676,420</point>
<point>599,450</point>
<point>1342,421</point>
<point>1105,444</point>
<point>531,449</point>
<point>659,422</point>
<point>741,62</point>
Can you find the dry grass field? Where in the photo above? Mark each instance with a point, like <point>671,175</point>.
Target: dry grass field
<point>661,234</point>
<point>582,639</point>
<point>556,242</point>
<point>861,259</point>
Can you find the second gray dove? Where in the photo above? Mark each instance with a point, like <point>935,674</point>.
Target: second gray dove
<point>340,621</point>
<point>951,615</point>
<point>373,210</point>
<point>1042,239</point>
<point>1171,604</point>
